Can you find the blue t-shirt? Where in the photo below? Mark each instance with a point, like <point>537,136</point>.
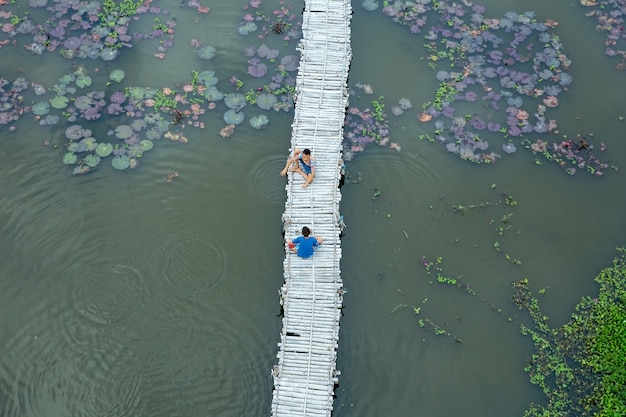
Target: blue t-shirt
<point>305,246</point>
<point>307,168</point>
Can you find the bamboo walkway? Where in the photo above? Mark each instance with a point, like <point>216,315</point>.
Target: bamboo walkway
<point>312,295</point>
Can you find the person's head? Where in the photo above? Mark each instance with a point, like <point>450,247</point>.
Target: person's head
<point>306,231</point>
<point>306,155</point>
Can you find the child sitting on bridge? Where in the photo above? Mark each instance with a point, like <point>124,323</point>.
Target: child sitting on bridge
<point>304,165</point>
<point>305,245</point>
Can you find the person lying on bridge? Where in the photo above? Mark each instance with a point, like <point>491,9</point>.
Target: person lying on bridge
<point>304,164</point>
<point>304,245</point>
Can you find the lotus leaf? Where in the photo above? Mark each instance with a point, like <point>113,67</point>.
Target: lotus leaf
<point>137,93</point>
<point>59,102</point>
<point>145,145</point>
<point>41,109</point>
<point>117,75</point>
<point>235,101</point>
<point>259,122</point>
<point>232,117</point>
<point>66,79</point>
<point>246,28</point>
<point>162,125</point>
<point>133,151</point>
<point>83,102</point>
<point>108,54</point>
<point>74,147</point>
<point>290,62</point>
<point>74,132</point>
<point>153,133</point>
<point>138,124</point>
<point>120,162</point>
<point>89,144</point>
<point>206,52</point>
<point>213,94</point>
<point>83,81</point>
<point>104,149</point>
<point>123,131</point>
<point>266,101</point>
<point>92,160</point>
<point>69,158</point>
<point>207,78</point>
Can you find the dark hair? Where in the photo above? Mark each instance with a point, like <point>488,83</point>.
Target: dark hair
<point>306,152</point>
<point>306,231</point>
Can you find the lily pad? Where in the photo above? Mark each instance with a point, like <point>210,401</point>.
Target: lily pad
<point>146,145</point>
<point>207,78</point>
<point>123,131</point>
<point>259,122</point>
<point>206,52</point>
<point>120,162</point>
<point>59,102</point>
<point>266,101</point>
<point>104,149</point>
<point>74,132</point>
<point>41,109</point>
<point>117,75</point>
<point>83,81</point>
<point>69,158</point>
<point>232,117</point>
<point>83,102</point>
<point>88,144</point>
<point>92,160</point>
<point>235,101</point>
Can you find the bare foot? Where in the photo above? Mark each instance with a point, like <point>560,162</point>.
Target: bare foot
<point>283,172</point>
<point>306,184</point>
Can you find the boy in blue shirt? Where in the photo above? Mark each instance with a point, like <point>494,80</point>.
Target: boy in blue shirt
<point>305,245</point>
<point>304,165</point>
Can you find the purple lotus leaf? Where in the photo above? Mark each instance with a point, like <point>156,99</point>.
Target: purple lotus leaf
<point>92,114</point>
<point>57,32</point>
<point>119,151</point>
<point>40,38</point>
<point>257,70</point>
<point>470,96</point>
<point>502,71</point>
<point>249,51</point>
<point>133,139</point>
<point>118,97</point>
<point>512,121</point>
<point>49,120</point>
<point>290,62</point>
<point>263,50</point>
<point>115,109</point>
<point>493,127</point>
<point>254,61</point>
<point>478,123</point>
<point>448,111</point>
<point>63,23</point>
<point>514,131</point>
<point>72,43</point>
<point>496,55</point>
<point>277,78</point>
<point>83,102</point>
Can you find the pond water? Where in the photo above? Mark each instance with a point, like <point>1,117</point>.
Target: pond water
<point>124,294</point>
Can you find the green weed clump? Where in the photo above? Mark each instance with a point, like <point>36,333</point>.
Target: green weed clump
<point>581,366</point>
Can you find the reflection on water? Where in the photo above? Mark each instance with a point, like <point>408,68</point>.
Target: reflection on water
<point>122,294</point>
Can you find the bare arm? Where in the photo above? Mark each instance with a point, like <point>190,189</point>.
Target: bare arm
<point>291,160</point>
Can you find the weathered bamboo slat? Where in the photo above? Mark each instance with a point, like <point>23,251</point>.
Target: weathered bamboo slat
<point>312,294</point>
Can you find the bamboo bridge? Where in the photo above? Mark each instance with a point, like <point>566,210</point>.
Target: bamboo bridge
<point>312,295</point>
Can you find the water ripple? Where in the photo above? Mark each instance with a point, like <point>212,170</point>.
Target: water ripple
<point>107,293</point>
<point>264,178</point>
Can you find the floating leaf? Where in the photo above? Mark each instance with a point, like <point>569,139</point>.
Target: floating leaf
<point>120,162</point>
<point>83,81</point>
<point>92,160</point>
<point>117,75</point>
<point>41,109</point>
<point>59,102</point>
<point>104,149</point>
<point>145,145</point>
<point>69,158</point>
